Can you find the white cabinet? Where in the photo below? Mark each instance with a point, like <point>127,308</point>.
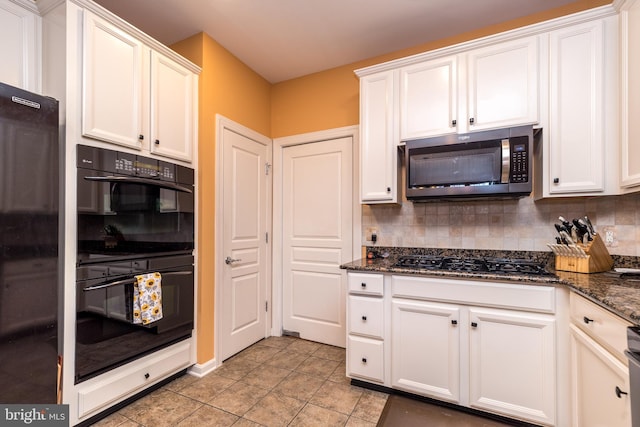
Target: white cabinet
<point>488,346</point>
<point>512,365</point>
<point>173,112</point>
<point>98,393</point>
<point>429,98</point>
<point>134,96</point>
<point>502,84</point>
<point>630,95</point>
<point>489,87</point>
<point>379,138</point>
<point>580,155</point>
<point>20,30</point>
<point>365,327</point>
<point>113,91</point>
<point>425,348</point>
<point>600,376</point>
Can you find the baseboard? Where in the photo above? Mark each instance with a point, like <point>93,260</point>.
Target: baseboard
<point>201,369</point>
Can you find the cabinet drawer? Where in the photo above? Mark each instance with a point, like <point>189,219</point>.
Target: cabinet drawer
<point>606,328</point>
<point>98,393</point>
<point>366,316</point>
<point>363,283</point>
<point>365,359</point>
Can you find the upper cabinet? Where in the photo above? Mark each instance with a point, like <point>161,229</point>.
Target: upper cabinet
<point>490,87</point>
<point>379,137</point>
<point>630,95</point>
<point>502,85</point>
<point>576,109</point>
<point>134,96</point>
<point>429,98</point>
<point>20,47</point>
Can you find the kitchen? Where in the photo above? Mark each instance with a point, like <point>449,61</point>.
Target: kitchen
<point>439,225</point>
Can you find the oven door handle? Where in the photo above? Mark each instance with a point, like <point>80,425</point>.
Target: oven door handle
<point>132,281</point>
<point>138,180</point>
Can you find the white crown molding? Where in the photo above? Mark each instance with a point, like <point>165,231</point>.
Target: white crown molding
<point>529,30</point>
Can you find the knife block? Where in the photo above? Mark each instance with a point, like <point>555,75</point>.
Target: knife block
<point>592,257</point>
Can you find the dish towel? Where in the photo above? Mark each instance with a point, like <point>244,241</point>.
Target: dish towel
<point>147,298</point>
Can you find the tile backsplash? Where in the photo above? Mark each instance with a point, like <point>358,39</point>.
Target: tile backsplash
<point>521,224</point>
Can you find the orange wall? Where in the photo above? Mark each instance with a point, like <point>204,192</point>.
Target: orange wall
<point>230,88</point>
<point>324,100</point>
<point>329,99</point>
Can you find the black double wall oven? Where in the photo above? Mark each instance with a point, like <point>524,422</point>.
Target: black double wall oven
<point>135,216</point>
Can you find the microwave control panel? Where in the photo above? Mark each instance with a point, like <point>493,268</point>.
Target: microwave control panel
<point>519,161</point>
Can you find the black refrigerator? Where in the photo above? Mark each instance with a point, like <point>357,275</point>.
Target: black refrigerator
<point>29,242</point>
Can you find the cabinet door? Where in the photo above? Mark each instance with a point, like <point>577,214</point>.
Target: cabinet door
<point>576,133</point>
<point>630,93</point>
<point>379,138</point>
<point>512,364</point>
<point>502,84</point>
<point>596,375</point>
<point>113,92</point>
<point>428,98</point>
<point>425,349</point>
<point>172,108</point>
<point>19,29</point>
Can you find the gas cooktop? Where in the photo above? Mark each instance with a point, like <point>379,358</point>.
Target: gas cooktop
<point>472,265</point>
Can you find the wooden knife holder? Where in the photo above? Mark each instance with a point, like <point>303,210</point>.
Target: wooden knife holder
<point>592,257</point>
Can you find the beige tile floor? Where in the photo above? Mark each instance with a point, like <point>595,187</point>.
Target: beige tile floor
<point>279,381</point>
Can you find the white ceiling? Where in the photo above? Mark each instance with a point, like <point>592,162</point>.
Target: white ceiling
<point>284,39</point>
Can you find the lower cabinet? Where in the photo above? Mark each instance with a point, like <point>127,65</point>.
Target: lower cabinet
<point>600,376</point>
<point>483,345</point>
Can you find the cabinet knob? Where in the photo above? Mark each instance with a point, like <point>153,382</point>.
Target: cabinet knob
<point>556,180</point>
<point>388,189</point>
<point>454,123</point>
<point>364,360</point>
<point>454,322</point>
<point>587,320</point>
<point>364,318</point>
<point>157,141</point>
<point>474,325</point>
<point>619,392</point>
<point>472,121</point>
<point>141,137</point>
<point>363,285</point>
<point>146,376</point>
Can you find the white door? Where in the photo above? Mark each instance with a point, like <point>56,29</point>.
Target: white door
<point>244,243</point>
<point>317,229</point>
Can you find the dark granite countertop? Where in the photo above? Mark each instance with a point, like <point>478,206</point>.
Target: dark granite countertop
<point>615,292</point>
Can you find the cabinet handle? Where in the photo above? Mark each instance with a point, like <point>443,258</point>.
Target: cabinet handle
<point>556,180</point>
<point>363,285</point>
<point>454,322</point>
<point>146,376</point>
<point>157,141</point>
<point>619,392</point>
<point>472,121</point>
<point>474,325</point>
<point>364,360</point>
<point>587,320</point>
<point>364,318</point>
<point>454,123</point>
<point>141,137</point>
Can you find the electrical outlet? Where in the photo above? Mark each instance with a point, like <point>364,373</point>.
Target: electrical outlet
<point>609,236</point>
<point>371,234</point>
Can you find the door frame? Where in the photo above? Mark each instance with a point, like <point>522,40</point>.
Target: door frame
<point>279,144</point>
<point>222,124</point>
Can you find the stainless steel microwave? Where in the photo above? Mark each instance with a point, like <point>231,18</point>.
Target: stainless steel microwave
<point>490,163</point>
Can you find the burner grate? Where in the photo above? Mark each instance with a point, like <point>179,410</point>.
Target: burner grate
<point>473,265</point>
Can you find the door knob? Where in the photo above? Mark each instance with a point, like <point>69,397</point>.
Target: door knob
<point>229,260</point>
